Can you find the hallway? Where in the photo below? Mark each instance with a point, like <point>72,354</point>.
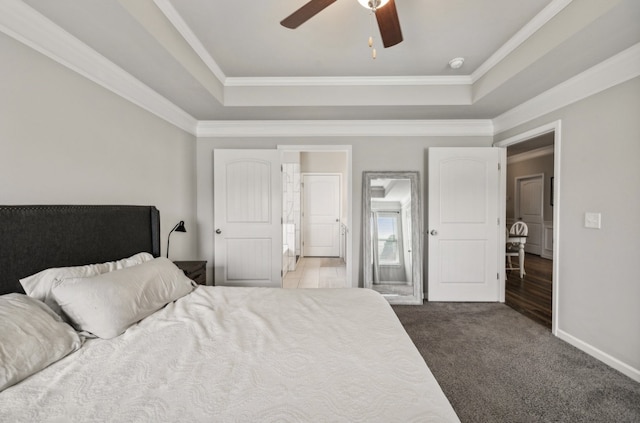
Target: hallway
<point>532,295</point>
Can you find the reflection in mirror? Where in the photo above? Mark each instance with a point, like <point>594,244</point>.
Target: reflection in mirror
<point>392,235</point>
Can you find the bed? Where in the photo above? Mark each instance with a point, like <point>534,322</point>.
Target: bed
<point>220,354</point>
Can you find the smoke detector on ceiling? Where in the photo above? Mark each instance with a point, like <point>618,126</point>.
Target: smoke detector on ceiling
<point>456,63</point>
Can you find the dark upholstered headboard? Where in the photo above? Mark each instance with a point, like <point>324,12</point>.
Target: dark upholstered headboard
<point>34,238</point>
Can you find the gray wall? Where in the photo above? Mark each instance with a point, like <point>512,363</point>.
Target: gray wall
<point>66,140</point>
<point>599,285</point>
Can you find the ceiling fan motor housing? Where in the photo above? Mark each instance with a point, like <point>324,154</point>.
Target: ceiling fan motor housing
<point>373,4</point>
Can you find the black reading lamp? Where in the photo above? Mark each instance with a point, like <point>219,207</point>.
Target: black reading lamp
<point>178,228</point>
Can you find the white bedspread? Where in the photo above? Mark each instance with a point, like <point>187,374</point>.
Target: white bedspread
<point>224,354</point>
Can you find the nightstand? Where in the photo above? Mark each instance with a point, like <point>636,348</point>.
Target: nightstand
<point>195,270</point>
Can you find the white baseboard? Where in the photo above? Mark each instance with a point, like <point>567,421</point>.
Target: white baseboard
<point>624,368</point>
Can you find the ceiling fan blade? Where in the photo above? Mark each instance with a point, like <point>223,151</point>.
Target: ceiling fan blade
<point>389,24</point>
<point>305,13</point>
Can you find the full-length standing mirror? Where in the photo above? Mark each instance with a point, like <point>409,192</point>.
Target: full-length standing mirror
<point>392,221</point>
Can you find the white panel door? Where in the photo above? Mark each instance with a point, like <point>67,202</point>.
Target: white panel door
<point>463,224</point>
<point>529,207</point>
<point>321,215</point>
<point>247,207</point>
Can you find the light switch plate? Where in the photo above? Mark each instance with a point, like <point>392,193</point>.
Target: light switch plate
<point>592,220</point>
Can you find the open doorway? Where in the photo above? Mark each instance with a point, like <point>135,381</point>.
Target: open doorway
<point>532,197</point>
<point>317,237</point>
<point>529,176</point>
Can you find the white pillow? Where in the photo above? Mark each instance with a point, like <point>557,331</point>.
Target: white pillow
<point>39,286</point>
<point>32,336</point>
<point>107,304</point>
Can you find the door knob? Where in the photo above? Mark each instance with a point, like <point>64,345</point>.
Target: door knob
<point>218,231</point>
<point>434,232</point>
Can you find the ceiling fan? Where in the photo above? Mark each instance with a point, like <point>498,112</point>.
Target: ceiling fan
<point>385,11</point>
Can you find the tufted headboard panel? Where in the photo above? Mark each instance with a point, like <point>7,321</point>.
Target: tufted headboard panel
<point>34,238</point>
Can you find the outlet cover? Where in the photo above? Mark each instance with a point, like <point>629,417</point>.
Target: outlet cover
<point>592,220</point>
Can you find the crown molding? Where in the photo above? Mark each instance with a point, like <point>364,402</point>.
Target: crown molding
<point>551,10</point>
<point>345,128</point>
<point>181,26</point>
<point>348,81</point>
<point>533,154</point>
<point>613,71</point>
<point>29,27</point>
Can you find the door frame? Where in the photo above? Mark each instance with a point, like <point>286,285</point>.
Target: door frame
<point>516,200</point>
<point>556,128</point>
<point>347,149</point>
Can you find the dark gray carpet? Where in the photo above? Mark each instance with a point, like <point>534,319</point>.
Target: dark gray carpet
<point>496,365</point>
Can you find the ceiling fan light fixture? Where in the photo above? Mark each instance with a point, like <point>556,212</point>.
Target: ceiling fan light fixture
<point>373,4</point>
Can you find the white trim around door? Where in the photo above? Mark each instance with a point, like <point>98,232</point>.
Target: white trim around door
<point>556,128</point>
<point>532,211</point>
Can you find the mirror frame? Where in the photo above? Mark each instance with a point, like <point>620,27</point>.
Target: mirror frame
<point>416,232</point>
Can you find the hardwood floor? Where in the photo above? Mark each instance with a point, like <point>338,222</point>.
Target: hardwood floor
<point>531,295</point>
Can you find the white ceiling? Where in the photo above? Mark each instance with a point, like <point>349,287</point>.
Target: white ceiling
<point>232,60</point>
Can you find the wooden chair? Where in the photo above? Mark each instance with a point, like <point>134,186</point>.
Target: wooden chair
<point>516,239</point>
